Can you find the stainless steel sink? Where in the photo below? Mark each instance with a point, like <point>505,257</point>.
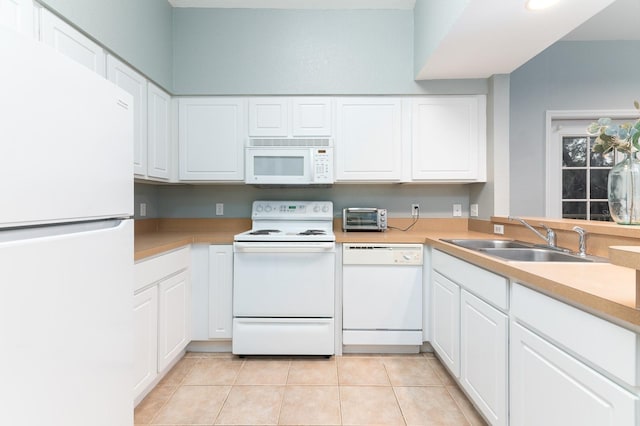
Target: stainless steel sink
<point>538,255</point>
<point>520,251</point>
<point>482,244</point>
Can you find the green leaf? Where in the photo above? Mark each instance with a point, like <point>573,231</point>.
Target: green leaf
<point>636,104</point>
<point>634,140</point>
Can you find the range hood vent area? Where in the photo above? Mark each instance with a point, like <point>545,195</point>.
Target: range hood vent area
<point>306,142</point>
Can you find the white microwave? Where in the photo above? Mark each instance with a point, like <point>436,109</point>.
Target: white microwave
<point>289,162</point>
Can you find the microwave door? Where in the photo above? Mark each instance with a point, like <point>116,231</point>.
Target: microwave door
<point>278,166</point>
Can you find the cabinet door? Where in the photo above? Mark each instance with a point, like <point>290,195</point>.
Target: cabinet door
<point>212,134</point>
<point>448,139</point>
<point>368,139</point>
<point>220,291</point>
<point>311,117</point>
<point>445,334</point>
<point>550,387</point>
<point>158,145</point>
<point>145,320</point>
<point>71,42</point>
<point>483,356</point>
<point>269,117</point>
<point>173,317</point>
<point>136,85</point>
<point>17,15</point>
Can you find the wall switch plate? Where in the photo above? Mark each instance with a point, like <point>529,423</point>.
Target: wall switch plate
<point>415,210</point>
<point>498,229</point>
<point>457,210</point>
<point>143,209</point>
<point>473,210</point>
<point>219,209</point>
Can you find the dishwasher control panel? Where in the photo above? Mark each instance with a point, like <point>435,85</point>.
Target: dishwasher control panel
<point>382,254</point>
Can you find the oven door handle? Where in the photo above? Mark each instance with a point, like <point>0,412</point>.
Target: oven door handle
<point>283,247</point>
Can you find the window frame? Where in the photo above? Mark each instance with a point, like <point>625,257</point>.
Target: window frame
<point>553,150</point>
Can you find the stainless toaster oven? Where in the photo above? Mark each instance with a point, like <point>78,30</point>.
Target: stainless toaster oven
<point>364,219</point>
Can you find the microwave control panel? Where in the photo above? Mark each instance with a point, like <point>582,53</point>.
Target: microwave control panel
<point>323,165</point>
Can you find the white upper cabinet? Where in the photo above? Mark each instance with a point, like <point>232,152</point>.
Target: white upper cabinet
<point>71,42</point>
<point>158,127</point>
<point>368,139</point>
<point>311,117</point>
<point>211,137</point>
<point>448,138</point>
<point>269,117</point>
<point>135,84</point>
<point>17,15</point>
<point>283,117</point>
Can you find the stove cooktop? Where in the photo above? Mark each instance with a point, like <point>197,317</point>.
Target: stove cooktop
<point>289,235</point>
<point>290,221</point>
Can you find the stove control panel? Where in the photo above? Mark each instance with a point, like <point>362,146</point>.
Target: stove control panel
<point>297,210</point>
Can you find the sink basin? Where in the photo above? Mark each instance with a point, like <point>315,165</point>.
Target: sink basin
<point>537,255</point>
<point>483,244</point>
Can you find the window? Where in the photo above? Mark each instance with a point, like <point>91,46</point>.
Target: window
<point>576,177</point>
<point>584,179</point>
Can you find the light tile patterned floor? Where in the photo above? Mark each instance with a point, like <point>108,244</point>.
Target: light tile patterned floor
<point>220,389</point>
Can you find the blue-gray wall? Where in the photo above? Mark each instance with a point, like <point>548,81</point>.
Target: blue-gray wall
<point>258,52</point>
<point>139,31</point>
<point>569,75</point>
<point>198,201</point>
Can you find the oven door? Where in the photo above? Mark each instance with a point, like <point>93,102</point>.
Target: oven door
<point>282,166</point>
<point>283,279</point>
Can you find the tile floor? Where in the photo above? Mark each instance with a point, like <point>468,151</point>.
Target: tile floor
<point>220,389</point>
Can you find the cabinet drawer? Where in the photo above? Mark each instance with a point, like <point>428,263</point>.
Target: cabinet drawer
<point>152,270</point>
<point>608,346</point>
<point>491,287</point>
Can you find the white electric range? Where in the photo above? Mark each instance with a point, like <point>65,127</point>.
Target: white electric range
<point>283,285</point>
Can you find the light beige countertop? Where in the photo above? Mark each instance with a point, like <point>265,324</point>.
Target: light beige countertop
<point>604,289</point>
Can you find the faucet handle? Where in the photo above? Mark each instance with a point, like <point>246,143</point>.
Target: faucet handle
<point>582,240</point>
<point>551,235</point>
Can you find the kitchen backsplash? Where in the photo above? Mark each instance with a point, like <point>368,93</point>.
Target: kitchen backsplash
<point>199,201</point>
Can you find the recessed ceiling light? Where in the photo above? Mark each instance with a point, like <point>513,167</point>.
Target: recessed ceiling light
<point>539,4</point>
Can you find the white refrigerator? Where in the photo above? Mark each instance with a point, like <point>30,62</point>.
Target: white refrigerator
<point>66,241</point>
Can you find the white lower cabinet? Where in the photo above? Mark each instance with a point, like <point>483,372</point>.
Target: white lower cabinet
<point>470,334</point>
<point>484,333</point>
<point>526,359</point>
<point>445,321</point>
<point>173,317</point>
<point>145,319</point>
<point>212,292</point>
<point>162,316</point>
<point>550,387</point>
<point>220,291</point>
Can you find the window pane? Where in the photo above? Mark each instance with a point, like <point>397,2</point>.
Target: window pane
<point>574,184</point>
<point>574,151</point>
<point>600,160</point>
<point>574,210</point>
<point>600,211</point>
<point>599,184</point>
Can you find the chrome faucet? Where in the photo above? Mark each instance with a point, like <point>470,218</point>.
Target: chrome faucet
<point>550,238</point>
<point>582,241</point>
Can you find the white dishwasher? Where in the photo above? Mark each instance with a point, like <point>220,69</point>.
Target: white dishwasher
<point>382,294</point>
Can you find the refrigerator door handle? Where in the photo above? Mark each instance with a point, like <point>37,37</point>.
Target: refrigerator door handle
<point>34,232</point>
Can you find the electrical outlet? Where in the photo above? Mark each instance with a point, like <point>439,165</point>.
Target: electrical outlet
<point>415,210</point>
<point>498,229</point>
<point>457,210</point>
<point>473,210</point>
<point>219,209</point>
<point>143,209</point>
